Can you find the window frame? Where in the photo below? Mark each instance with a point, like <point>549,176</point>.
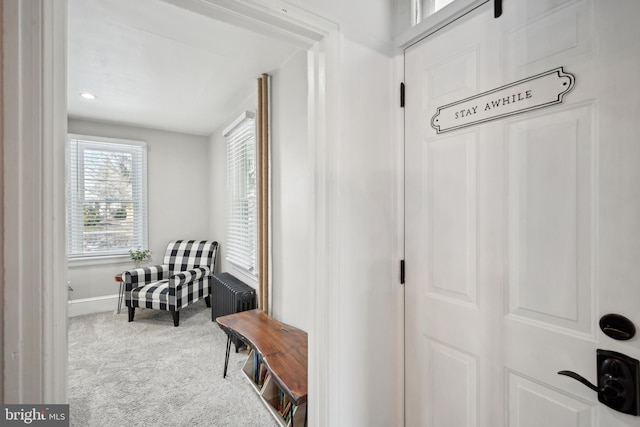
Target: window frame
<point>432,16</point>
<point>75,239</point>
<point>247,263</point>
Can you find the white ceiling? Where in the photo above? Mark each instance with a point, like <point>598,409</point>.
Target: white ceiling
<point>156,65</point>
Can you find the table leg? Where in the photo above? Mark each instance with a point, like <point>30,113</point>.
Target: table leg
<point>226,356</point>
<point>120,297</point>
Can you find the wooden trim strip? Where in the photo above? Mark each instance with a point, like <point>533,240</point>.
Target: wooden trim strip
<point>263,192</point>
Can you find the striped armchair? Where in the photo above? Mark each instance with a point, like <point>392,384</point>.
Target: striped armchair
<point>182,279</point>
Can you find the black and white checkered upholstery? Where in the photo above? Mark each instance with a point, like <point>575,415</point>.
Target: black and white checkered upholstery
<point>182,279</point>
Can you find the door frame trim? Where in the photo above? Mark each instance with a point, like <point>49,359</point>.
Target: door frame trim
<point>34,361</point>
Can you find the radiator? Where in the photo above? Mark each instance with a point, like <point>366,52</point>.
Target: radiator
<point>230,295</point>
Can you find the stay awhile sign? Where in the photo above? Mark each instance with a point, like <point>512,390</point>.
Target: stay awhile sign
<point>532,93</point>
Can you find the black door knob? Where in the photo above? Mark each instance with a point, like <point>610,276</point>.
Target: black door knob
<point>618,380</point>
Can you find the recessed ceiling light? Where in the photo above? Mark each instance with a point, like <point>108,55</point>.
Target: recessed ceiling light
<point>87,95</point>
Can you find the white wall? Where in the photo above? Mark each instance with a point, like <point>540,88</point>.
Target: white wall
<point>366,235</point>
<point>368,23</point>
<point>178,197</point>
<point>218,186</point>
<point>359,359</point>
<point>363,383</point>
<point>401,17</point>
<point>290,193</point>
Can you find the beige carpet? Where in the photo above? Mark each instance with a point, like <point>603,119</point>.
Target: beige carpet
<point>149,373</point>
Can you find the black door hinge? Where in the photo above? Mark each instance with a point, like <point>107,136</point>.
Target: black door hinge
<point>401,95</point>
<point>497,8</point>
<point>402,272</point>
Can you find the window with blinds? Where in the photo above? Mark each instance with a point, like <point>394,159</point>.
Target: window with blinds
<point>242,187</point>
<point>106,196</point>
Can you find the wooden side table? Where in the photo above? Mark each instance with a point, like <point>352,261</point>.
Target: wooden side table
<point>118,278</point>
<point>283,351</point>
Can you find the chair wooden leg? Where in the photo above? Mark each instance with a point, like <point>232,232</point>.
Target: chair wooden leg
<point>176,318</point>
<point>207,299</point>
<point>132,311</point>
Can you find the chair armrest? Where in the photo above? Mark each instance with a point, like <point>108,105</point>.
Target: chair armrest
<point>140,276</point>
<point>190,276</point>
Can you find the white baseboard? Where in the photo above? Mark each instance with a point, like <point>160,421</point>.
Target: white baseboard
<point>78,307</point>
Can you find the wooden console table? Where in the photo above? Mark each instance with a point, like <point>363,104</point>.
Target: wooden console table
<point>277,364</point>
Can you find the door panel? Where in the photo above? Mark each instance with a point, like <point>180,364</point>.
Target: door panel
<point>550,218</point>
<point>451,368</point>
<point>521,232</point>
<point>450,166</point>
<point>565,29</point>
<point>529,399</point>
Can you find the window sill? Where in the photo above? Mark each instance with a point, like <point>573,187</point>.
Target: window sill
<point>239,270</point>
<point>98,260</point>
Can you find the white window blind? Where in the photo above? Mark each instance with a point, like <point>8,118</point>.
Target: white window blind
<point>106,196</point>
<point>242,187</point>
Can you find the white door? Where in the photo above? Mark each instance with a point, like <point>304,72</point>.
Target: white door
<point>521,232</point>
